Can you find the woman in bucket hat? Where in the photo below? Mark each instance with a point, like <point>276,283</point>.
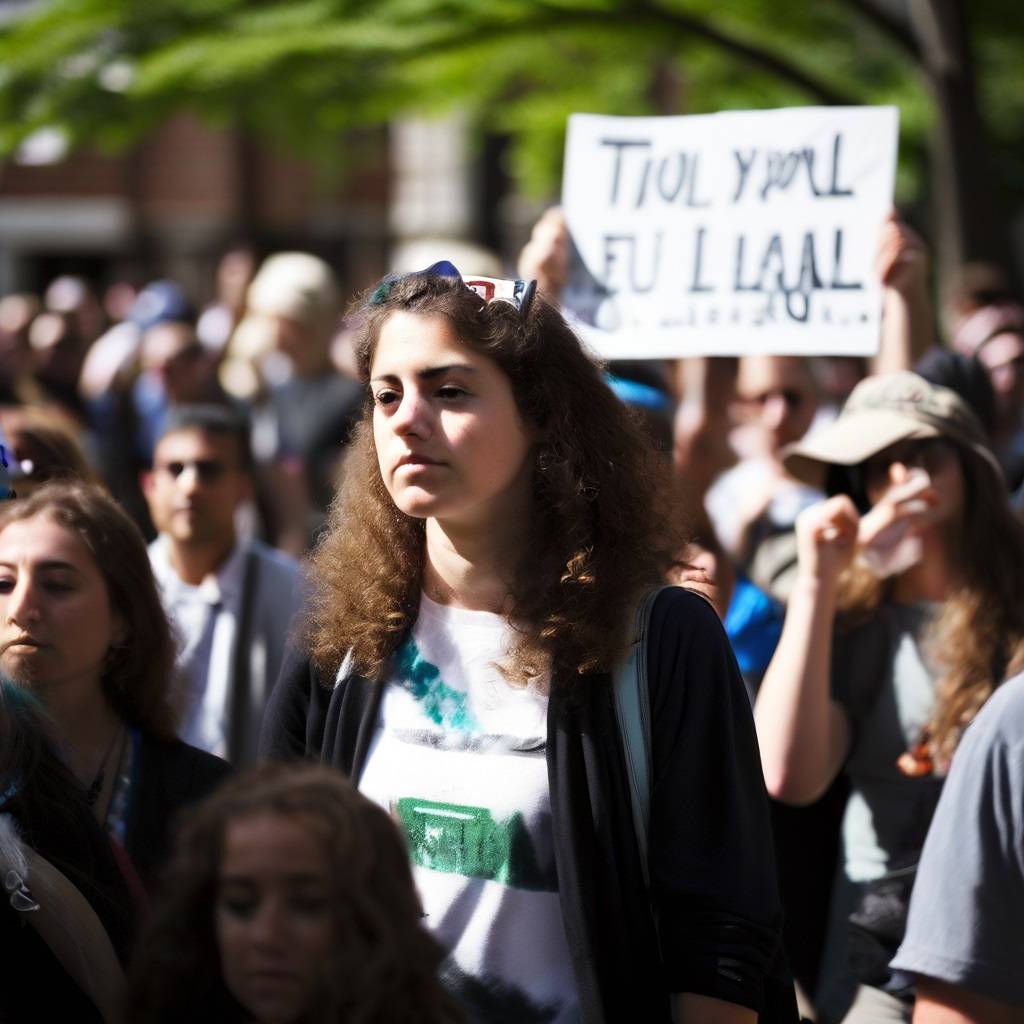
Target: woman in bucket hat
<point>904,619</point>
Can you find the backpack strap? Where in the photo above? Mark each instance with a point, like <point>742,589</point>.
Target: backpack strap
<point>633,715</point>
<point>242,731</point>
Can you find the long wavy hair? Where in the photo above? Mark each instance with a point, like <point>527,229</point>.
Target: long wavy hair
<point>384,964</point>
<point>977,638</point>
<point>138,676</point>
<point>605,522</point>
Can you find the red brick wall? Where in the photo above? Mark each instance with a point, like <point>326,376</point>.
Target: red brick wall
<point>85,175</point>
<point>187,168</point>
<point>190,168</point>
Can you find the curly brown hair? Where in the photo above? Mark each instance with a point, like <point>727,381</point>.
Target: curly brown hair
<point>605,520</point>
<point>978,636</point>
<point>385,966</point>
<point>138,678</point>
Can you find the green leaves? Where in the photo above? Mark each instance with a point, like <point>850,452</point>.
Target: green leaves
<point>302,71</point>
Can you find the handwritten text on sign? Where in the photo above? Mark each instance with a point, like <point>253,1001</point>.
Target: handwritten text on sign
<point>746,231</point>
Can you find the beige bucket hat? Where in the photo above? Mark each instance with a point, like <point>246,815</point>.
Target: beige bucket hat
<point>880,412</point>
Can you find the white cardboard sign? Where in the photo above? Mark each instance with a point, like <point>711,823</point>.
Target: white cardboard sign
<point>730,233</point>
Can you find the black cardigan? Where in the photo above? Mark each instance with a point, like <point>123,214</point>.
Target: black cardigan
<point>171,776</point>
<point>713,883</point>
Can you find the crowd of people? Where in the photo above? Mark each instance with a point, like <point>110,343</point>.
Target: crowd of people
<point>415,666</point>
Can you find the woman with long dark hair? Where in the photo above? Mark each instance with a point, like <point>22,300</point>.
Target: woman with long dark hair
<point>83,632</point>
<point>905,617</point>
<point>501,517</point>
<point>289,900</point>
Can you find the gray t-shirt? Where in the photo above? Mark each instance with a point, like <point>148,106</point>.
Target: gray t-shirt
<point>967,910</point>
<point>882,678</point>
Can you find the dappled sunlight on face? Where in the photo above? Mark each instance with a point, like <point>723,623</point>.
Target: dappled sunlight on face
<point>450,442</point>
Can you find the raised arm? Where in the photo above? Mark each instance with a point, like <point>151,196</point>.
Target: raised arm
<point>908,324</point>
<point>803,733</point>
<point>700,432</point>
<point>545,257</point>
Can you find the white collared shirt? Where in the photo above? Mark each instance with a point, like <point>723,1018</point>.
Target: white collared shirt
<point>204,618</point>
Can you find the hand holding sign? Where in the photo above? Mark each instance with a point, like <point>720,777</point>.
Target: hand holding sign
<point>902,257</point>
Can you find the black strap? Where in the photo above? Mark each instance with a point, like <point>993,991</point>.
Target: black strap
<point>633,714</point>
<point>241,739</point>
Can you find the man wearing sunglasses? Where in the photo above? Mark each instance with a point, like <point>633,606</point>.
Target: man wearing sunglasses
<point>230,599</point>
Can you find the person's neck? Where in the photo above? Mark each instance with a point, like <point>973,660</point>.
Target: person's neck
<point>83,726</point>
<point>471,568</point>
<point>194,562</point>
<point>933,576</point>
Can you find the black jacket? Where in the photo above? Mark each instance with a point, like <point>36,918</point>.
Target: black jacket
<point>713,882</point>
<point>171,776</point>
<point>34,985</point>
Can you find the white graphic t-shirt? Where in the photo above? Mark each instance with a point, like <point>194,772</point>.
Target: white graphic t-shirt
<point>459,762</point>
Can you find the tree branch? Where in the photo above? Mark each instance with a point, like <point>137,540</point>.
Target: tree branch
<point>900,32</point>
<point>550,17</point>
<point>753,54</point>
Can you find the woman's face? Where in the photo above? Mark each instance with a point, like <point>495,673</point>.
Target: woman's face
<point>450,441</point>
<point>776,394</point>
<point>937,457</point>
<point>1003,358</point>
<point>56,622</point>
<point>273,918</point>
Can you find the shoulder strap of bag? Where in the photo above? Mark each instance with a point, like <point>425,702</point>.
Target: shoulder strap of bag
<point>633,714</point>
<point>56,909</point>
<point>241,749</point>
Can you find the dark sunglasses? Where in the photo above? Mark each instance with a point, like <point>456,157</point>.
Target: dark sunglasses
<point>517,293</point>
<point>793,398</point>
<point>930,454</point>
<point>208,470</point>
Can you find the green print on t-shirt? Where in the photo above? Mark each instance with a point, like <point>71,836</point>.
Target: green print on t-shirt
<point>468,841</point>
<point>443,705</point>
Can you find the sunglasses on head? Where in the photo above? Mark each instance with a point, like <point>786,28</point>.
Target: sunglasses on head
<point>517,293</point>
<point>208,470</point>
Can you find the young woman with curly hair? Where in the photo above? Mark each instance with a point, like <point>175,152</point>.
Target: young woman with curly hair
<point>288,900</point>
<point>500,518</point>
<point>888,652</point>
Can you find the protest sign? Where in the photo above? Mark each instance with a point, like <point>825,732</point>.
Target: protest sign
<point>730,233</point>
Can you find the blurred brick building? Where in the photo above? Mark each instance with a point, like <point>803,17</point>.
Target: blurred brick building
<point>171,205</point>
